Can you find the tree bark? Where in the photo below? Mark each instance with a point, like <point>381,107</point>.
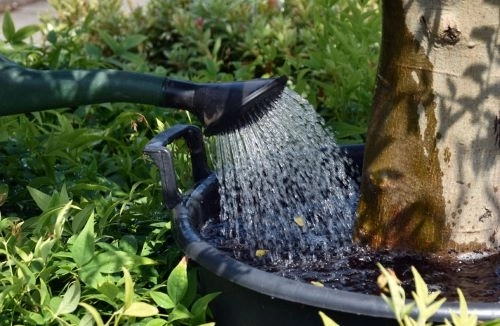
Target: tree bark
<point>431,174</point>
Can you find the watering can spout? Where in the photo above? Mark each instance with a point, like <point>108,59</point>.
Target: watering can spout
<point>221,107</point>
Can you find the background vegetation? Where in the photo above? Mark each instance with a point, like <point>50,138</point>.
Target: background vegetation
<point>83,235</point>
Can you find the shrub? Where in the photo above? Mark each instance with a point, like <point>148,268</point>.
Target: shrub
<point>78,201</point>
<point>327,48</point>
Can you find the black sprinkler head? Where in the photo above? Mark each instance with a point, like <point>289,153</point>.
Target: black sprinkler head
<point>224,107</point>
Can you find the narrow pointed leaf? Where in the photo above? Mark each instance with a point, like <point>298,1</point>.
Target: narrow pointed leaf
<point>129,288</point>
<point>41,199</point>
<point>26,32</point>
<point>327,321</point>
<point>84,245</point>
<point>180,312</point>
<point>93,311</point>
<point>132,41</point>
<point>70,300</point>
<point>8,27</point>
<point>200,306</point>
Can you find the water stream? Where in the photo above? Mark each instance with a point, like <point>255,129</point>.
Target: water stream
<point>286,194</point>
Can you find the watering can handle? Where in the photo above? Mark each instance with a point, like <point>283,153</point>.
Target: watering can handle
<point>163,158</point>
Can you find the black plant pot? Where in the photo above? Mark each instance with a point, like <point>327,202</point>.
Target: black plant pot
<point>251,296</point>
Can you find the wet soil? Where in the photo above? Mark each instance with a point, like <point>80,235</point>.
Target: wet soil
<point>355,269</point>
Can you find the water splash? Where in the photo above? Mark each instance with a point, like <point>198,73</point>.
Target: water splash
<point>286,194</point>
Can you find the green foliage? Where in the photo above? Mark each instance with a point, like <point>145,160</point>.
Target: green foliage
<point>327,48</point>
<point>57,269</point>
<point>426,302</point>
<point>83,234</point>
<point>18,36</point>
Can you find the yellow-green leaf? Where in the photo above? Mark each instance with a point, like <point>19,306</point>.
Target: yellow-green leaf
<point>129,288</point>
<point>261,252</point>
<point>70,300</point>
<point>93,312</point>
<point>177,282</point>
<point>300,220</point>
<point>318,284</point>
<point>327,321</point>
<point>141,309</point>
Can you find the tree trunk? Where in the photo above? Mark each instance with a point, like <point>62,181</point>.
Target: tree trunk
<point>431,175</point>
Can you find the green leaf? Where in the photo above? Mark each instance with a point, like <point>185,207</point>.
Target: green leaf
<point>4,193</point>
<point>156,322</point>
<point>216,47</point>
<point>128,297</point>
<point>192,290</point>
<point>8,27</point>
<point>200,306</point>
<point>43,248</point>
<point>93,311</point>
<point>25,32</point>
<point>420,286</point>
<point>111,42</point>
<point>162,300</point>
<point>464,317</point>
<point>109,289</point>
<point>41,199</point>
<point>132,41</point>
<point>61,220</point>
<point>87,320</point>
<point>112,262</point>
<point>177,282</point>
<point>70,300</point>
<point>179,312</point>
<point>141,309</point>
<point>344,129</point>
<point>36,318</point>
<point>80,219</point>
<point>129,243</point>
<point>84,245</point>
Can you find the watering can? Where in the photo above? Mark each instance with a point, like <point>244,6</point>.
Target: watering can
<point>221,107</point>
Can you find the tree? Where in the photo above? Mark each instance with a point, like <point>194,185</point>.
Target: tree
<point>431,175</point>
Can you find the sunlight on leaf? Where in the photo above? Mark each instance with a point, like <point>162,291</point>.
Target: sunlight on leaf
<point>93,311</point>
<point>177,282</point>
<point>327,321</point>
<point>141,309</point>
<point>162,300</point>
<point>70,300</point>
<point>129,288</point>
